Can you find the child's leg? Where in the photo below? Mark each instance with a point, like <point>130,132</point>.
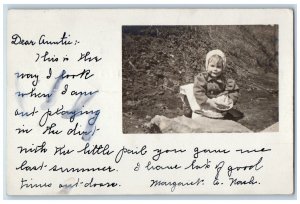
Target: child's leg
<point>234,114</point>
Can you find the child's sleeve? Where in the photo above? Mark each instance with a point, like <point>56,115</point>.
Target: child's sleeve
<point>200,89</point>
<point>233,90</point>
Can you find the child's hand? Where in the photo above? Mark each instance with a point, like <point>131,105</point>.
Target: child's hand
<point>212,103</point>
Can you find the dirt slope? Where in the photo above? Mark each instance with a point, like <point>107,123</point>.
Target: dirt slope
<point>158,59</point>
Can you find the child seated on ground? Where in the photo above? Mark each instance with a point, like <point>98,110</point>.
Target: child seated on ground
<point>211,90</point>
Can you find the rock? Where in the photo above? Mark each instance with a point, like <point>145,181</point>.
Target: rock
<point>132,103</point>
<point>272,128</point>
<point>183,124</point>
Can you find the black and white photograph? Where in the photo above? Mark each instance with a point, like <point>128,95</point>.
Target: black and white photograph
<point>200,79</point>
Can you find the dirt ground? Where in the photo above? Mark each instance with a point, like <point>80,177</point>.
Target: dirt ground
<point>156,60</point>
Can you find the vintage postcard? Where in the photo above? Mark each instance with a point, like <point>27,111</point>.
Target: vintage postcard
<point>150,102</point>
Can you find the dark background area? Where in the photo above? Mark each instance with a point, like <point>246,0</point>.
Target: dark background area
<point>156,60</point>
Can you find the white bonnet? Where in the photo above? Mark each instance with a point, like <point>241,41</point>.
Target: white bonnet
<point>215,52</point>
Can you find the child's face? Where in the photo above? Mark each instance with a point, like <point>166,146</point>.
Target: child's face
<point>215,67</point>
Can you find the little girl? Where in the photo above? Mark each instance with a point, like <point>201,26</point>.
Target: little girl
<point>211,84</point>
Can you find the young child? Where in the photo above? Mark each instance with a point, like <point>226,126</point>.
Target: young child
<point>210,84</point>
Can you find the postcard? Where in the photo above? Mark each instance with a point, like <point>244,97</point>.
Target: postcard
<point>150,102</point>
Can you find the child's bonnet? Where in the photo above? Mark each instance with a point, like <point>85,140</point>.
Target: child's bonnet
<point>212,53</point>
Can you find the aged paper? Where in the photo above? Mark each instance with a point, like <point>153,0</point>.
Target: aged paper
<point>91,92</point>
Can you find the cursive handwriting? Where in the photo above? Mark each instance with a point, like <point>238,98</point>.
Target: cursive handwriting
<point>37,149</point>
<point>253,150</point>
<point>26,167</point>
<point>150,166</point>
<point>235,181</point>
<point>61,169</point>
<point>86,57</point>
<point>210,151</point>
<point>25,113</point>
<point>85,74</point>
<point>159,152</point>
<point>35,77</point>
<point>25,184</point>
<point>96,149</point>
<point>193,165</point>
<point>63,40</point>
<point>92,184</point>
<point>125,150</point>
<point>17,40</point>
<point>33,94</point>
<point>174,184</point>
<point>69,115</point>
<point>257,166</point>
